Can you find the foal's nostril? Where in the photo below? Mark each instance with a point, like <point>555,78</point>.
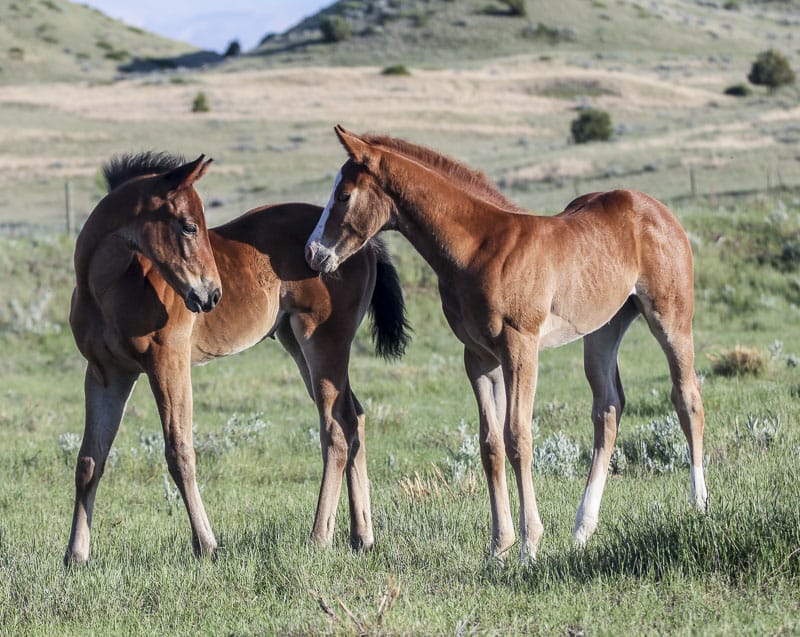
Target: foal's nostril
<point>216,295</point>
<point>193,302</point>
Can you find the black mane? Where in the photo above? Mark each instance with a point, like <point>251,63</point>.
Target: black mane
<point>121,168</point>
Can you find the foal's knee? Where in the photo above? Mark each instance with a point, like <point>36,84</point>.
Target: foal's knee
<point>84,472</point>
<point>180,461</point>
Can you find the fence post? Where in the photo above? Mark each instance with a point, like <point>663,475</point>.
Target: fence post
<point>70,222</point>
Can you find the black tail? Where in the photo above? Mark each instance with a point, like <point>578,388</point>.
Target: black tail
<point>390,329</point>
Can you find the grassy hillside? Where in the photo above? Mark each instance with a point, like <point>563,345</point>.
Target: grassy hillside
<point>45,40</point>
<point>446,32</point>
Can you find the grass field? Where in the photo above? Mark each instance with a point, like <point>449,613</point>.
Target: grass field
<point>728,167</point>
<point>655,565</point>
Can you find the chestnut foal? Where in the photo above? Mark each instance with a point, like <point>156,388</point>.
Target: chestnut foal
<point>148,275</point>
<point>513,283</point>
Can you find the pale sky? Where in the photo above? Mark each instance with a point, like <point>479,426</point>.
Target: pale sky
<point>211,24</point>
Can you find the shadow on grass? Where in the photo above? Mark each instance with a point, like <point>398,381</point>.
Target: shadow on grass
<point>750,544</point>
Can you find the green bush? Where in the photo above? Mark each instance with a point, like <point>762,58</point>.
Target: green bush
<point>591,125</point>
<point>738,90</point>
<point>335,29</point>
<point>396,69</point>
<point>200,103</point>
<point>771,69</point>
<point>516,7</point>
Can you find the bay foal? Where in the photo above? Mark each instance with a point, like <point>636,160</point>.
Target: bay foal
<point>513,283</point>
<point>148,275</point>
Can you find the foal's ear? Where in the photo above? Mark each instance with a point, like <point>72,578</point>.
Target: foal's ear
<point>184,176</point>
<point>358,150</point>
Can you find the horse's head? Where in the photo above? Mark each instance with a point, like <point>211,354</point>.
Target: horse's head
<point>171,231</point>
<point>357,210</point>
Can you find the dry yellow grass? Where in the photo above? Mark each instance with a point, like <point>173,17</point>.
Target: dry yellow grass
<point>270,130</point>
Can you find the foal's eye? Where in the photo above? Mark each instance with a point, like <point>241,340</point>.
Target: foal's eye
<point>189,229</point>
<point>343,196</point>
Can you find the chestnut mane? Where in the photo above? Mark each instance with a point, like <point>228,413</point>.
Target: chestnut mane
<point>121,168</point>
<point>472,181</point>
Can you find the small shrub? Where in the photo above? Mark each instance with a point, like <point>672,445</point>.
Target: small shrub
<point>551,35</point>
<point>591,125</point>
<point>771,69</point>
<point>659,446</point>
<point>516,7</point>
<point>69,444</point>
<point>396,69</point>
<point>238,431</point>
<point>335,29</point>
<point>740,361</point>
<point>234,49</point>
<point>116,55</point>
<point>558,456</point>
<point>464,460</point>
<point>16,53</point>
<point>738,90</point>
<point>200,103</point>
<point>758,430</point>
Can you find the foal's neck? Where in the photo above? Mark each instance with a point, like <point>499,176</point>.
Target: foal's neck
<point>111,216</point>
<point>445,224</point>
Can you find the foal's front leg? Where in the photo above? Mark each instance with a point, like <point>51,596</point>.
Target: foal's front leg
<point>486,377</point>
<point>105,405</point>
<point>520,360</point>
<point>171,382</point>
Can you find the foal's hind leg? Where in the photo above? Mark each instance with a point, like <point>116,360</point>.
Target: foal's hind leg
<point>105,404</point>
<point>326,353</point>
<point>608,400</point>
<point>171,382</point>
<point>671,324</point>
<point>361,536</point>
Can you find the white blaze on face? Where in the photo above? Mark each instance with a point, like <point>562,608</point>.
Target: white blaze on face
<point>316,235</point>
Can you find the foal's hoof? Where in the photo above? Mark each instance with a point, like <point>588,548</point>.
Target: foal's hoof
<point>75,560</point>
<point>362,544</point>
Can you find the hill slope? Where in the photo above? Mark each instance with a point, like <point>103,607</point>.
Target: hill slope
<point>45,40</point>
<point>443,32</point>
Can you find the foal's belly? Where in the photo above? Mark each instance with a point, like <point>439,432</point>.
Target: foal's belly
<point>231,332</point>
<point>557,331</point>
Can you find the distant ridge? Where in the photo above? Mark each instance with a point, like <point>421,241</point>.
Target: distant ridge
<point>54,40</point>
<point>446,32</point>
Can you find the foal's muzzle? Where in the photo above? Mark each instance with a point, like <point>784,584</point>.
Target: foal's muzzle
<point>203,302</point>
<point>320,258</point>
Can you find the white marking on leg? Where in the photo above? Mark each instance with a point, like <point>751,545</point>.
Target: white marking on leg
<point>698,487</point>
<point>316,235</point>
<point>589,510</point>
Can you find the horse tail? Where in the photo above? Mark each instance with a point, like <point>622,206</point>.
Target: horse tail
<point>391,331</point>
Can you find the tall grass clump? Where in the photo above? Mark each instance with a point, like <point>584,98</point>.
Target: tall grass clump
<point>740,361</point>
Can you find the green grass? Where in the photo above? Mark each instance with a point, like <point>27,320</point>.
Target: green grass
<point>654,565</point>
